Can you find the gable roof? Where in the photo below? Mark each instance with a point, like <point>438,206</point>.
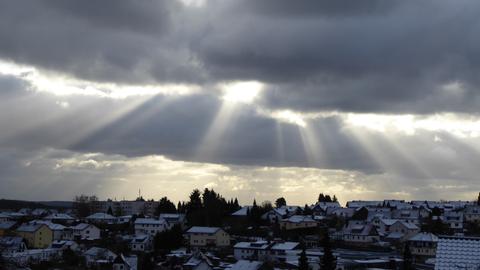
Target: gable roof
<point>207,230</point>
<point>30,227</point>
<point>246,265</point>
<point>424,237</point>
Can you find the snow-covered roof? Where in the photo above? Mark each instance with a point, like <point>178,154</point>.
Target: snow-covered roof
<point>458,253</point>
<point>299,219</point>
<point>242,211</point>
<point>51,225</point>
<point>424,237</point>
<point>252,245</point>
<point>285,246</point>
<point>150,221</point>
<point>207,230</point>
<point>81,226</point>
<point>101,216</point>
<point>6,225</point>
<point>59,216</point>
<point>29,227</point>
<point>246,265</point>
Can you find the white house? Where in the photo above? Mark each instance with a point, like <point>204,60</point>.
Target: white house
<point>175,219</point>
<point>259,250</point>
<point>86,231</point>
<point>101,218</point>
<point>150,226</point>
<point>98,256</point>
<point>141,243</point>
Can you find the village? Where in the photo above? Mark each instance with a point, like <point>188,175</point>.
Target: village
<point>209,232</point>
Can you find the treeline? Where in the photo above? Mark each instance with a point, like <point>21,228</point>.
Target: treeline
<point>207,208</point>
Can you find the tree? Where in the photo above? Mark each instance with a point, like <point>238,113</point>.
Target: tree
<point>407,258</point>
<point>82,204</point>
<point>328,260</point>
<point>168,240</point>
<point>280,202</point>
<point>307,210</point>
<point>165,206</point>
<point>361,214</point>
<point>335,198</point>
<point>110,211</point>
<point>478,199</point>
<point>303,260</point>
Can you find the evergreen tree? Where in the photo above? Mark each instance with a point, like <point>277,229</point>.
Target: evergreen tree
<point>110,211</point>
<point>328,260</point>
<point>303,260</point>
<point>407,258</point>
<point>478,199</point>
<point>165,206</point>
<point>307,210</point>
<point>335,198</point>
<point>280,202</point>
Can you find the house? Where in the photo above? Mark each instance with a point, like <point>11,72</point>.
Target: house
<point>455,220</point>
<point>208,237</point>
<point>344,212</point>
<point>150,226</point>
<point>96,256</point>
<point>360,204</point>
<point>35,256</point>
<point>401,230</point>
<point>59,218</point>
<point>85,231</point>
<point>298,222</point>
<point>123,219</point>
<point>10,245</point>
<point>472,213</point>
<point>457,253</point>
<point>259,251</point>
<point>6,227</point>
<point>5,217</point>
<point>360,234</point>
<point>39,212</point>
<point>383,225</point>
<point>423,245</point>
<point>198,261</point>
<point>142,243</point>
<point>242,212</point>
<point>246,265</point>
<point>101,218</point>
<point>64,244</point>
<point>175,219</point>
<point>323,208</point>
<point>58,230</point>
<point>279,213</point>
<point>407,215</point>
<point>279,251</point>
<point>122,262</point>
<point>36,235</point>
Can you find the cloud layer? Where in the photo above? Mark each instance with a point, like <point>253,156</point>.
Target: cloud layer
<point>384,93</point>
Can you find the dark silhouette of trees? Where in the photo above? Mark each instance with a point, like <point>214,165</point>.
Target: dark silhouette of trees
<point>169,240</point>
<point>110,211</point>
<point>360,214</point>
<point>83,203</point>
<point>303,260</point>
<point>208,208</point>
<point>280,202</point>
<point>328,260</point>
<point>307,210</point>
<point>165,206</point>
<point>326,198</point>
<point>478,199</point>
<point>407,258</point>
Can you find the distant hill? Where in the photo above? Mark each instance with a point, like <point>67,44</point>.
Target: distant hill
<point>17,204</point>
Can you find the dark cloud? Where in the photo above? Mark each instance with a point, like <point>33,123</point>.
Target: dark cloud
<point>377,56</point>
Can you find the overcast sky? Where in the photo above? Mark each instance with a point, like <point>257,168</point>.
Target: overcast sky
<point>257,99</point>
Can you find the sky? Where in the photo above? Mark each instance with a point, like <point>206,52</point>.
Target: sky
<point>256,99</point>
